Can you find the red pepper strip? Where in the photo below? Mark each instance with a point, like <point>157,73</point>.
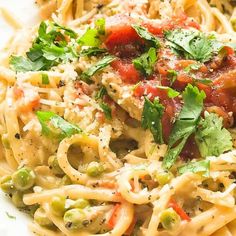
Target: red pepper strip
<point>112,221</point>
<point>179,210</point>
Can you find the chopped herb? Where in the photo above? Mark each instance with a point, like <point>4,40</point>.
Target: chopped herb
<point>10,216</point>
<point>185,124</point>
<point>49,119</point>
<point>45,79</point>
<point>203,81</point>
<point>100,26</point>
<point>170,92</point>
<point>50,48</point>
<point>101,93</point>
<point>92,51</point>
<point>143,33</point>
<point>192,44</point>
<point>196,167</point>
<point>212,139</point>
<point>146,62</point>
<point>136,86</point>
<point>106,109</point>
<point>151,118</point>
<point>85,76</point>
<point>92,36</point>
<point>172,75</point>
<point>195,66</point>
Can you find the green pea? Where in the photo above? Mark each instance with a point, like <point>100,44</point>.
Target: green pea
<point>7,185</point>
<point>95,169</point>
<point>23,179</point>
<point>17,199</point>
<point>74,219</point>
<point>54,166</point>
<point>58,205</point>
<point>41,218</point>
<point>66,180</point>
<point>163,177</point>
<point>81,203</point>
<point>169,219</point>
<point>5,141</point>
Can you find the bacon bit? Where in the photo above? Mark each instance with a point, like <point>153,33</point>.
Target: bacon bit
<point>18,92</point>
<point>179,210</point>
<point>108,184</point>
<point>100,117</point>
<point>83,88</point>
<point>113,219</point>
<point>30,106</point>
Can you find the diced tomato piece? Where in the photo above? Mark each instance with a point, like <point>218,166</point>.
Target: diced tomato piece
<point>190,149</point>
<point>150,90</point>
<point>124,34</point>
<point>113,219</point>
<point>228,120</point>
<point>178,21</point>
<point>229,50</point>
<point>182,81</point>
<point>179,210</point>
<point>172,106</point>
<point>127,71</point>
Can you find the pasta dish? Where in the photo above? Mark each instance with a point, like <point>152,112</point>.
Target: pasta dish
<point>118,118</point>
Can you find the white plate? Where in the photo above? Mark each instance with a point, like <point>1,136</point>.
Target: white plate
<point>12,221</point>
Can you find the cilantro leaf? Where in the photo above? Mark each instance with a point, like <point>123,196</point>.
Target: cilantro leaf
<point>151,118</point>
<point>212,139</point>
<point>143,33</point>
<point>45,79</point>
<point>100,26</point>
<point>92,51</point>
<point>170,92</point>
<point>185,123</point>
<point>196,167</point>
<point>146,62</point>
<point>21,64</point>
<point>106,109</point>
<point>172,75</point>
<point>101,93</point>
<point>85,76</point>
<point>92,35</point>
<point>50,120</point>
<point>192,44</point>
<point>51,47</point>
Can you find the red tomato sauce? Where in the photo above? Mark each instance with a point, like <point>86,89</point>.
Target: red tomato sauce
<point>217,78</point>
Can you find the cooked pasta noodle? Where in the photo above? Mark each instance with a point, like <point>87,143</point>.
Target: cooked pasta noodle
<point>99,136</point>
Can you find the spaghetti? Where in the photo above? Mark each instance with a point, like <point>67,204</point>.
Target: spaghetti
<point>118,118</point>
